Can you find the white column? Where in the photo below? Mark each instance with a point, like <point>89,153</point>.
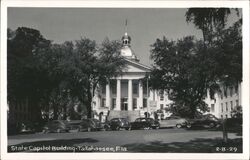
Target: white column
<point>108,95</point>
<point>130,95</point>
<point>118,95</point>
<point>140,104</point>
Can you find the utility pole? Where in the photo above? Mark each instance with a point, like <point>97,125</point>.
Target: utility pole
<point>147,96</point>
<point>224,130</point>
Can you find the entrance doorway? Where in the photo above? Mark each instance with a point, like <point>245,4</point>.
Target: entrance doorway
<point>100,116</point>
<point>124,104</point>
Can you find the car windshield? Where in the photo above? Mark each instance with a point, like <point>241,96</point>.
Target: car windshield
<point>138,120</point>
<point>150,120</point>
<point>55,122</point>
<point>143,120</point>
<point>114,120</point>
<point>95,120</point>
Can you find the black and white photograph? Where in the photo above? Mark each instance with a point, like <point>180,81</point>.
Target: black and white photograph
<point>119,79</point>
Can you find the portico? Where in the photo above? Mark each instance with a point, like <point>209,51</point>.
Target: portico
<point>125,94</point>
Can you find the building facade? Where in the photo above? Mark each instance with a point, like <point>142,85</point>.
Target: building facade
<point>225,101</point>
<point>129,92</point>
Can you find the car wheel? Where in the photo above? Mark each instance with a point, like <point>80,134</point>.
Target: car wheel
<point>45,131</point>
<point>128,128</point>
<point>105,128</point>
<point>211,125</point>
<point>146,127</point>
<point>157,127</point>
<point>79,129</point>
<point>188,126</point>
<point>88,129</point>
<point>178,125</point>
<point>117,128</point>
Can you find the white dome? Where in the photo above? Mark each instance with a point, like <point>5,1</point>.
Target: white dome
<point>126,51</point>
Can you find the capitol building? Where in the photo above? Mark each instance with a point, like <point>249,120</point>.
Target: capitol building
<point>128,96</point>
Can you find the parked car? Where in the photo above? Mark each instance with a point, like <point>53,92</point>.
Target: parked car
<point>56,126</point>
<point>145,123</point>
<point>205,121</point>
<point>173,121</point>
<point>27,128</point>
<point>101,125</point>
<point>90,125</point>
<point>74,124</point>
<point>105,126</point>
<point>119,123</point>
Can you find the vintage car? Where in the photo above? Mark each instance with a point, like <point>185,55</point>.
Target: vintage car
<point>173,121</point>
<point>56,126</point>
<point>145,123</point>
<point>119,123</point>
<point>204,121</point>
<point>92,125</point>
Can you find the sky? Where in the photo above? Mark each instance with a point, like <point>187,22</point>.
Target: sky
<point>69,24</point>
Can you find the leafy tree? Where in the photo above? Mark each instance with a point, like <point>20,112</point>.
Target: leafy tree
<point>208,20</point>
<point>178,70</point>
<point>23,78</point>
<point>188,68</point>
<point>223,47</point>
<point>58,76</point>
<point>229,55</point>
<point>92,66</point>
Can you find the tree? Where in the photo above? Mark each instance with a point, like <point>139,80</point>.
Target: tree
<point>89,66</point>
<point>23,78</point>
<point>208,20</point>
<point>179,70</point>
<point>222,47</point>
<point>188,68</point>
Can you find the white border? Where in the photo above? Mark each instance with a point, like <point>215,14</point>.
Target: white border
<point>124,4</point>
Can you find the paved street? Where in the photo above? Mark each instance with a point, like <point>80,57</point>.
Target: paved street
<point>162,140</point>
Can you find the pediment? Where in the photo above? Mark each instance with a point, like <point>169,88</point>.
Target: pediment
<point>136,67</point>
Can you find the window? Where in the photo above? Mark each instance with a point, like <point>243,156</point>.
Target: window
<point>231,91</point>
<point>144,86</point>
<point>212,107</point>
<point>103,102</point>
<point>143,120</point>
<point>145,103</point>
<point>225,92</point>
<point>161,92</point>
<point>138,120</point>
<point>113,88</point>
<point>113,103</point>
<point>231,104</point>
<point>221,96</point>
<point>236,90</point>
<point>226,115</point>
<point>124,104</point>
<point>221,107</point>
<point>134,103</point>
<point>103,89</point>
<point>237,102</point>
<point>135,88</point>
<point>161,106</point>
<point>221,116</point>
<point>226,107</point>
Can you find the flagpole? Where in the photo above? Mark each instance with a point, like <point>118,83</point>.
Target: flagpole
<point>126,24</point>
